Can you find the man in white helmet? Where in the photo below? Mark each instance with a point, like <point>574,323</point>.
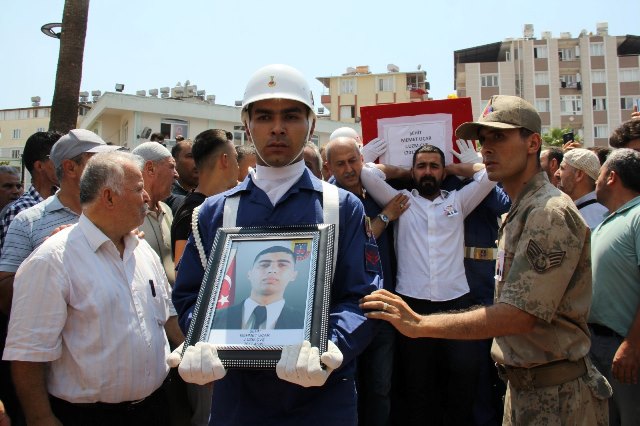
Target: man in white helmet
<point>278,116</point>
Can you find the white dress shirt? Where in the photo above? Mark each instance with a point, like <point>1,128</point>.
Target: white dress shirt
<point>429,237</point>
<point>92,316</point>
<point>273,312</point>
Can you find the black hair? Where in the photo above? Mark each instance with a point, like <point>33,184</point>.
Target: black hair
<point>38,147</point>
<point>209,143</point>
<point>275,249</point>
<point>427,148</point>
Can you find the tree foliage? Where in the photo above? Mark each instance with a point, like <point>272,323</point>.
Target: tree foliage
<point>554,136</point>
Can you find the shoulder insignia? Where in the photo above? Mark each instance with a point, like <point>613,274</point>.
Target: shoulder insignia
<point>542,261</point>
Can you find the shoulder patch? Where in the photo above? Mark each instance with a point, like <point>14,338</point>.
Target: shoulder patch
<point>541,261</point>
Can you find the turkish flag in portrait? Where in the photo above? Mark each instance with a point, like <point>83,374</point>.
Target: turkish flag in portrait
<point>227,289</point>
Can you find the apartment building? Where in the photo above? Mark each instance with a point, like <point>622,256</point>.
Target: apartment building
<point>359,87</point>
<point>589,83</point>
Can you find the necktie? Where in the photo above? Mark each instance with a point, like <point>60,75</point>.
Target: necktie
<point>258,318</point>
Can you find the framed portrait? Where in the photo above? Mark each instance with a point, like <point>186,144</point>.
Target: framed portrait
<point>265,288</point>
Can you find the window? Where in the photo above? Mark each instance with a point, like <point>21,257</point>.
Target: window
<point>171,127</point>
<point>385,84</point>
<point>598,76</point>
<point>315,140</point>
<point>239,135</point>
<point>599,104</point>
<point>540,52</point>
<point>516,53</point>
<point>15,154</point>
<point>347,111</point>
<point>545,129</point>
<point>629,74</point>
<point>348,85</point>
<point>489,80</point>
<point>596,49</point>
<point>571,104</point>
<point>568,54</point>
<point>507,56</point>
<point>568,80</point>
<point>543,105</point>
<point>626,102</point>
<point>541,78</point>
<point>601,131</point>
<point>16,134</point>
<point>41,129</point>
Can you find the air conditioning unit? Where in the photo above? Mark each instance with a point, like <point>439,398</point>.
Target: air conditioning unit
<point>141,93</point>
<point>201,93</point>
<point>565,35</point>
<point>211,99</point>
<point>177,92</point>
<point>96,93</point>
<point>190,91</point>
<point>563,84</point>
<point>602,28</point>
<point>547,35</point>
<point>164,90</point>
<point>153,92</point>
<point>320,110</point>
<point>84,94</point>
<point>238,103</point>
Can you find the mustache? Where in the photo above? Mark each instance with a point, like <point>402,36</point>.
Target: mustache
<point>428,179</point>
<point>349,174</point>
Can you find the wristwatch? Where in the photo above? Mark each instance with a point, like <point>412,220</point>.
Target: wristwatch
<point>383,217</point>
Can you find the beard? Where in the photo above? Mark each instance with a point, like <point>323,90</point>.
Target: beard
<point>428,186</point>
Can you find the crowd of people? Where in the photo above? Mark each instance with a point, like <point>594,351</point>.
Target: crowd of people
<point>502,289</point>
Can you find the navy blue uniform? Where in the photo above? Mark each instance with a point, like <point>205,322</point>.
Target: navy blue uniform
<point>249,397</point>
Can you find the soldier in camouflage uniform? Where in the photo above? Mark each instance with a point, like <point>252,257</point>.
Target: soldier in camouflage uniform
<point>543,284</point>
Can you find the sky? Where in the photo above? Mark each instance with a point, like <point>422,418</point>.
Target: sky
<point>217,45</point>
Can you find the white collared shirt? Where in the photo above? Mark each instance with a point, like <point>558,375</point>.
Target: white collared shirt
<point>429,237</point>
<point>276,181</point>
<point>92,316</point>
<point>273,312</point>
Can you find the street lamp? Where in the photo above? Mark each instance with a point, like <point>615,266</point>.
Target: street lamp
<point>48,30</point>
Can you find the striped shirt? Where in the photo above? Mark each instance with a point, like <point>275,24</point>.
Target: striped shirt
<point>96,319</point>
<point>26,200</point>
<point>30,228</point>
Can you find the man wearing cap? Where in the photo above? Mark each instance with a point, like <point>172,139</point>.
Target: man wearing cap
<point>543,284</point>
<point>614,319</point>
<point>32,226</point>
<point>279,117</point>
<point>577,178</point>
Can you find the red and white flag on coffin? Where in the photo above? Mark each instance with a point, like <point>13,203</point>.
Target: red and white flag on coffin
<point>227,288</point>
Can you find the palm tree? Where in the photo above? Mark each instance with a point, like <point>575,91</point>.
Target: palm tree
<point>554,137</point>
<point>64,107</point>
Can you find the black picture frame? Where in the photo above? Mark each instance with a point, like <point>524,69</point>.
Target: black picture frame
<point>223,287</point>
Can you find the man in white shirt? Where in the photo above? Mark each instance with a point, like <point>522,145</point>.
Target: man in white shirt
<point>86,332</point>
<point>436,377</point>
<point>577,177</point>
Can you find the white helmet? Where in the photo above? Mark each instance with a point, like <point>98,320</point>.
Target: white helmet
<point>277,81</point>
<point>345,132</point>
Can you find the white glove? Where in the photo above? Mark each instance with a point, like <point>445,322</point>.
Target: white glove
<point>376,171</point>
<point>300,364</point>
<point>200,364</point>
<point>374,149</point>
<point>468,153</point>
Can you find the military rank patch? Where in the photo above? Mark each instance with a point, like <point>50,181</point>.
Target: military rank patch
<point>542,261</point>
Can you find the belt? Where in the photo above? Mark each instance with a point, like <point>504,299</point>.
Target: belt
<point>551,374</point>
<point>480,253</point>
<point>116,406</point>
<point>603,330</point>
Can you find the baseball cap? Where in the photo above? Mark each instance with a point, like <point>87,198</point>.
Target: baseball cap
<point>76,142</point>
<point>583,159</point>
<point>502,112</point>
